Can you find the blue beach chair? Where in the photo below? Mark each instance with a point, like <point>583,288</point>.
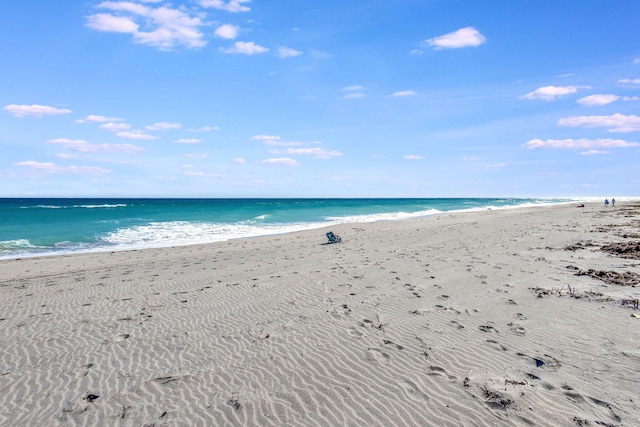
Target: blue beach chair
<point>333,238</point>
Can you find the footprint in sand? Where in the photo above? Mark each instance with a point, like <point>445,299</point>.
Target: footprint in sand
<point>412,391</point>
<point>120,338</point>
<point>377,355</point>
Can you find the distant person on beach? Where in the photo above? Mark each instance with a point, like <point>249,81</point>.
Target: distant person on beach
<point>613,202</point>
<point>606,203</point>
<point>581,205</point>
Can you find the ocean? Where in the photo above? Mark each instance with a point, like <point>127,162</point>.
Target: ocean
<point>39,227</point>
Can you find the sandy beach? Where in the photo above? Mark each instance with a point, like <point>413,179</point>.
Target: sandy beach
<point>515,317</point>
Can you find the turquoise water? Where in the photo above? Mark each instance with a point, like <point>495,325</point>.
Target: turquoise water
<point>30,227</point>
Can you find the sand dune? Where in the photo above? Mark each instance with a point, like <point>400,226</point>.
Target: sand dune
<point>486,318</point>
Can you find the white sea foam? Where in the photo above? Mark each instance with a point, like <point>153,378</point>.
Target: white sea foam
<point>176,233</point>
<point>391,216</point>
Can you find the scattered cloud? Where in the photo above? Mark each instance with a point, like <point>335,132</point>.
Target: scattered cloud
<point>238,160</point>
<point>549,93</point>
<point>495,165</point>
<point>34,110</point>
<point>161,126</point>
<point>266,138</point>
<point>115,127</point>
<point>404,93</point>
<point>52,168</point>
<point>354,95</point>
<point>98,119</point>
<point>599,100</point>
<point>85,147</point>
<point>227,31</point>
<point>230,6</point>
<point>593,152</point>
<point>629,82</point>
<point>317,152</point>
<point>355,88</point>
<point>136,135</point>
<point>412,157</point>
<point>579,143</point>
<point>463,37</point>
<point>205,129</point>
<point>163,27</point>
<point>283,161</point>
<point>286,52</point>
<point>318,54</point>
<point>189,141</point>
<point>616,122</point>
<point>636,61</point>
<point>245,48</point>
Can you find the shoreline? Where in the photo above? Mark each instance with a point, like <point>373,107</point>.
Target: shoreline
<point>309,227</point>
<point>458,319</point>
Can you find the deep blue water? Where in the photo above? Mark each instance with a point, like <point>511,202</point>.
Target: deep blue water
<point>30,227</point>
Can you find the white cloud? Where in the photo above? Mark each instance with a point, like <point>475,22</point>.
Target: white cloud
<point>354,88</point>
<point>463,37</point>
<point>594,152</point>
<point>616,122</point>
<point>238,160</point>
<point>284,161</point>
<point>495,165</point>
<point>161,126</point>
<point>412,157</point>
<point>549,93</point>
<point>167,27</point>
<point>599,100</point>
<point>188,141</point>
<point>51,168</point>
<point>319,153</point>
<point>111,23</point>
<point>636,61</point>
<point>286,52</point>
<point>227,31</point>
<point>245,48</point>
<point>136,135</point>
<point>354,96</point>
<point>98,119</point>
<point>267,139</point>
<point>404,93</point>
<point>320,54</point>
<point>34,110</point>
<point>205,129</point>
<point>85,147</point>
<point>579,143</point>
<point>629,82</point>
<point>115,127</point>
<point>230,6</point>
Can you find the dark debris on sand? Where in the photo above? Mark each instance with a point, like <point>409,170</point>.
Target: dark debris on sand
<point>629,250</point>
<point>611,277</point>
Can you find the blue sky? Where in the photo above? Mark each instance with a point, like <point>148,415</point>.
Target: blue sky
<point>257,98</point>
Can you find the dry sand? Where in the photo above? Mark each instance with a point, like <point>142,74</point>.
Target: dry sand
<point>465,319</point>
